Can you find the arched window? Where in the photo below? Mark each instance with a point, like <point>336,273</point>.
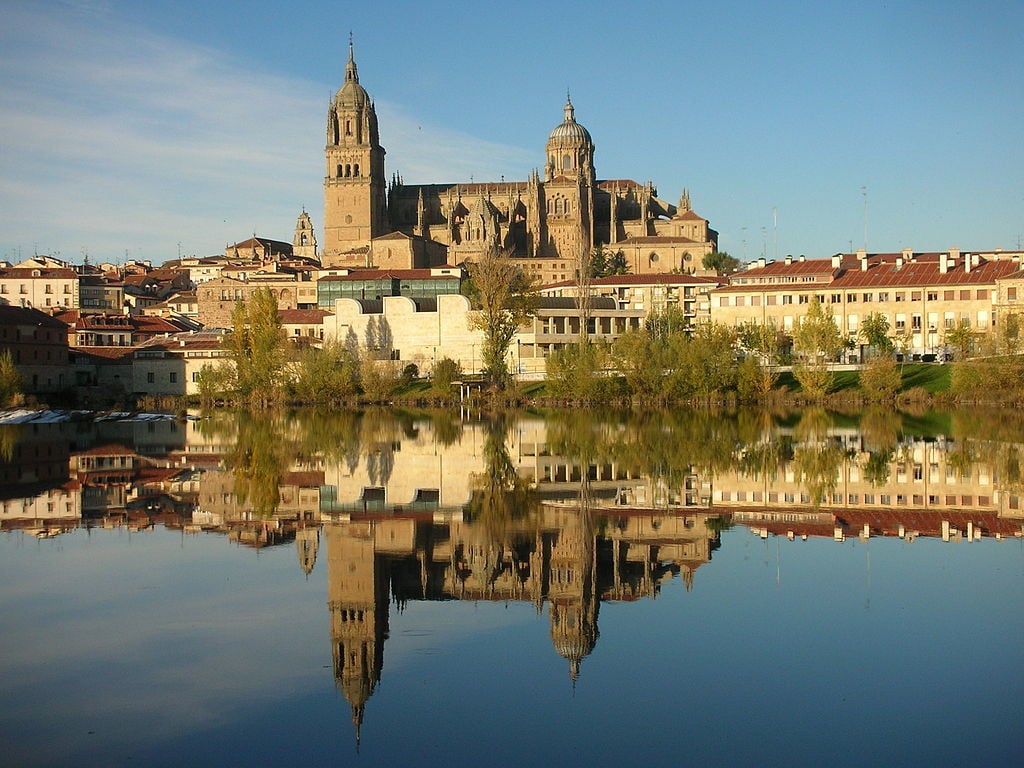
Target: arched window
<point>355,169</point>
<point>339,171</point>
<point>348,170</point>
<point>567,161</point>
<point>348,127</point>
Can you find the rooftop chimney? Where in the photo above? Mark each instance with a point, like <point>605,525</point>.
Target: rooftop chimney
<point>967,262</point>
<point>802,258</point>
<point>789,259</point>
<point>837,260</point>
<point>899,263</point>
<point>943,263</point>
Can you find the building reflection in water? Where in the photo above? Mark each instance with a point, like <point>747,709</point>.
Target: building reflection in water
<point>561,513</point>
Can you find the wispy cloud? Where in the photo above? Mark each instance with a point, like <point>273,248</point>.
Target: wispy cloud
<point>117,139</point>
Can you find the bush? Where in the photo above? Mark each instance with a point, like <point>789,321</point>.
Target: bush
<point>445,372</point>
<point>578,371</point>
<point>880,378</point>
<point>409,374</point>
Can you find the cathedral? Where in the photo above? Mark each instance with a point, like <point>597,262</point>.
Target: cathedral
<point>545,222</point>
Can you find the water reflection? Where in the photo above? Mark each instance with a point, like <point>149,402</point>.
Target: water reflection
<point>562,513</point>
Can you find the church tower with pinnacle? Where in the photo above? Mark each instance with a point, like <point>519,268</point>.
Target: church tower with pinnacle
<point>355,193</point>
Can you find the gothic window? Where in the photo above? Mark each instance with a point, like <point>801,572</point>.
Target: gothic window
<point>348,170</point>
<point>355,169</point>
<point>348,127</point>
<point>567,161</point>
<point>303,240</point>
<point>339,171</point>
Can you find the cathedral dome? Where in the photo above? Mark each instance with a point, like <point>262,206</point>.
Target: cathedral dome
<point>351,94</point>
<point>569,129</point>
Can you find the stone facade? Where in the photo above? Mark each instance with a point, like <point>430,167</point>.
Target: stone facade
<point>546,222</point>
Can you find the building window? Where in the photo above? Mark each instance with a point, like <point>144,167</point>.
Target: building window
<point>1011,294</point>
<point>933,295</point>
<point>901,296</point>
<point>174,377</point>
<point>151,378</point>
<point>915,295</point>
<point>883,296</point>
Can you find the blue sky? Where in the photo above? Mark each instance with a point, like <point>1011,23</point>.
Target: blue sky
<point>148,129</point>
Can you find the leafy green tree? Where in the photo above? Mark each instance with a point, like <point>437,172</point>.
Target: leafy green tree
<point>605,264</point>
<point>617,264</point>
<point>502,295</point>
<point>816,341</point>
<point>874,331</point>
<point>765,342</point>
<point>579,371</point>
<point>721,262</point>
<point>445,372</point>
<point>702,363</point>
<point>215,382</point>
<point>378,378</point>
<point>880,378</point>
<point>324,375</point>
<point>640,358</point>
<point>10,379</point>
<point>257,348</point>
<point>962,339</point>
<point>668,321</point>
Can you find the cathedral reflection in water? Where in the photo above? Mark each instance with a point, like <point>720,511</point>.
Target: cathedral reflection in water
<point>564,513</point>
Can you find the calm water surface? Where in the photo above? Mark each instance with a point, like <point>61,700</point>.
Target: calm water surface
<point>723,589</point>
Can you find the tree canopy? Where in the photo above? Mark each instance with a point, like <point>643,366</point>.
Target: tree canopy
<point>502,295</point>
<point>721,262</point>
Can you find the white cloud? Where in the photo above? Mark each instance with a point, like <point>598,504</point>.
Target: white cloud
<point>118,139</point>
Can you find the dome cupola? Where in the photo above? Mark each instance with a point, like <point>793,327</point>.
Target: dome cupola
<point>570,150</point>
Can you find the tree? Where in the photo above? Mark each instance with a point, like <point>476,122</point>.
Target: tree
<point>325,375</point>
<point>880,378</point>
<point>721,262</point>
<point>444,373</point>
<point>764,341</point>
<point>10,379</point>
<point>605,264</point>
<point>816,341</point>
<point>257,348</point>
<point>874,330</point>
<point>502,295</point>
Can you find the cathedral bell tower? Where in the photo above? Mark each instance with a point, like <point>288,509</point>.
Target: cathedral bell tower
<point>355,195</point>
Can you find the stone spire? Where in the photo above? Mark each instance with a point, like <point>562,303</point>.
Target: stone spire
<point>351,73</point>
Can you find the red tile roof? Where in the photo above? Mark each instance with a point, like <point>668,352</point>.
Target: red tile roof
<point>651,279</point>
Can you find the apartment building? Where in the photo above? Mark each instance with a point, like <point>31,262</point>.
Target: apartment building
<point>922,295</point>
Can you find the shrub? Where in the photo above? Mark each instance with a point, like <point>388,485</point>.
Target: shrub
<point>880,378</point>
<point>445,372</point>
